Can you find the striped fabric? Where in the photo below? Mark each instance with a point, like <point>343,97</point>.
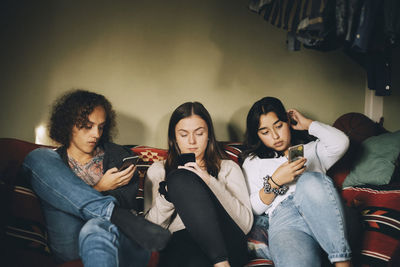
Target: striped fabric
<point>380,210</point>
<point>291,15</point>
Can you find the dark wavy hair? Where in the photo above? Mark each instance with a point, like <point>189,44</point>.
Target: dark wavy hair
<point>253,146</point>
<point>213,154</point>
<point>72,109</point>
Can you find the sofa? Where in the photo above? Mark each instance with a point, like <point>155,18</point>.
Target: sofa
<point>374,217</point>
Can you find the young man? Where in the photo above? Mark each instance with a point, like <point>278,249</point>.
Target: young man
<point>88,204</point>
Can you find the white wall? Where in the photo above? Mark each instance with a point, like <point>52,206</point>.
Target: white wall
<point>148,57</point>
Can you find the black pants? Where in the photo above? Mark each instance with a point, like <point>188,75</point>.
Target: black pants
<point>210,236</point>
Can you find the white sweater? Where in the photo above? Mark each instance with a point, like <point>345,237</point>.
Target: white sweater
<point>230,189</point>
<point>320,154</point>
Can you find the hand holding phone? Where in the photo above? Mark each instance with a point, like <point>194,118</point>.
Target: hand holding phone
<point>296,152</point>
<point>128,161</point>
<point>185,158</point>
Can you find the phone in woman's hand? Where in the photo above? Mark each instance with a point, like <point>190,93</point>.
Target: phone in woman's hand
<point>185,158</point>
<point>296,152</point>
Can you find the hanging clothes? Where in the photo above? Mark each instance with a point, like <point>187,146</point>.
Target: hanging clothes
<point>366,29</point>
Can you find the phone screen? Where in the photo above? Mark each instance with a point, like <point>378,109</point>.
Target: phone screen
<point>128,161</point>
<point>185,158</point>
<point>296,152</point>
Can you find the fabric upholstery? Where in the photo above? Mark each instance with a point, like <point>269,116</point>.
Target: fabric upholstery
<point>380,210</point>
<point>377,160</point>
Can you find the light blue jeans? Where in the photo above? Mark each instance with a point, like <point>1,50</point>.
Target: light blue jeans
<point>310,218</point>
<point>77,216</point>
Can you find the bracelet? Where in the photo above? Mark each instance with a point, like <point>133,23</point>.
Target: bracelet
<point>269,189</point>
<point>274,182</point>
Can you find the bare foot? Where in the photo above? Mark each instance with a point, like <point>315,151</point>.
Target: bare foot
<point>222,264</point>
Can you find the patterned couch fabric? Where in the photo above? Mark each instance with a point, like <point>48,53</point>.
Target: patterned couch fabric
<point>25,237</point>
<point>380,210</point>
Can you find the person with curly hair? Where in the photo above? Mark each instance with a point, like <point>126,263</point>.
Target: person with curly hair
<point>89,204</point>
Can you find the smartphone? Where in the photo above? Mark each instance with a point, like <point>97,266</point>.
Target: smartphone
<point>128,161</point>
<point>295,152</point>
<point>185,158</point>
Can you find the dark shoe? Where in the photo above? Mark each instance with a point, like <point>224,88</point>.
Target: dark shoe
<point>147,234</point>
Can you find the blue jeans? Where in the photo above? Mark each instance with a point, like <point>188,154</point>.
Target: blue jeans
<point>69,206</point>
<point>101,244</point>
<point>310,218</point>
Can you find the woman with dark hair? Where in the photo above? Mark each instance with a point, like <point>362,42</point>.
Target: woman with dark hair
<point>303,208</point>
<point>204,203</point>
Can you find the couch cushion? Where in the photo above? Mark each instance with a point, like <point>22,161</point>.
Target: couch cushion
<point>377,160</point>
<point>380,210</point>
<point>147,156</point>
<point>358,128</point>
<point>25,234</point>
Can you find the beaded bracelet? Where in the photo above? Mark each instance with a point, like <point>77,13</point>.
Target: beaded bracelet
<point>269,189</point>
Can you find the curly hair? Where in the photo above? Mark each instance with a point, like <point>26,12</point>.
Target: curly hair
<point>73,109</point>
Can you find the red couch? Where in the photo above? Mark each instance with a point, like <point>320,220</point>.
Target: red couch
<point>24,237</point>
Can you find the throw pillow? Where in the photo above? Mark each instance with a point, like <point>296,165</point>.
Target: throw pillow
<point>358,127</point>
<point>377,161</point>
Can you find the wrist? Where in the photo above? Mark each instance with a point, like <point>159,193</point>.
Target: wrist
<point>271,187</point>
<point>274,183</point>
<point>308,124</point>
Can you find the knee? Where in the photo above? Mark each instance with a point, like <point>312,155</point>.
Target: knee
<point>181,179</point>
<point>313,184</point>
<point>40,156</point>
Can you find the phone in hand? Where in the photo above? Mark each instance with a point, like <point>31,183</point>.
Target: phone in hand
<point>296,152</point>
<point>185,158</point>
<point>128,161</point>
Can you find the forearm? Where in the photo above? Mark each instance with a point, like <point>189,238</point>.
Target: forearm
<point>332,145</point>
<point>161,212</point>
<point>237,206</point>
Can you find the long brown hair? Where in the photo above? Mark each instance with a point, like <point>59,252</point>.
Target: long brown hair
<point>213,154</point>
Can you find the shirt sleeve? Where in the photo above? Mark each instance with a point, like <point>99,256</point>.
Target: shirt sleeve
<point>331,145</point>
<point>161,210</point>
<point>254,184</point>
<point>230,189</point>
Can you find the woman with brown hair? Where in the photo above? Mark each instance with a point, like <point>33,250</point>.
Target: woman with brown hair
<point>205,202</point>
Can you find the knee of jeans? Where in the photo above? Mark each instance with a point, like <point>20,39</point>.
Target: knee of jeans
<point>312,184</point>
<point>39,155</point>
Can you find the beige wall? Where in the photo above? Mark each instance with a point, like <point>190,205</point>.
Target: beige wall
<point>148,57</point>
